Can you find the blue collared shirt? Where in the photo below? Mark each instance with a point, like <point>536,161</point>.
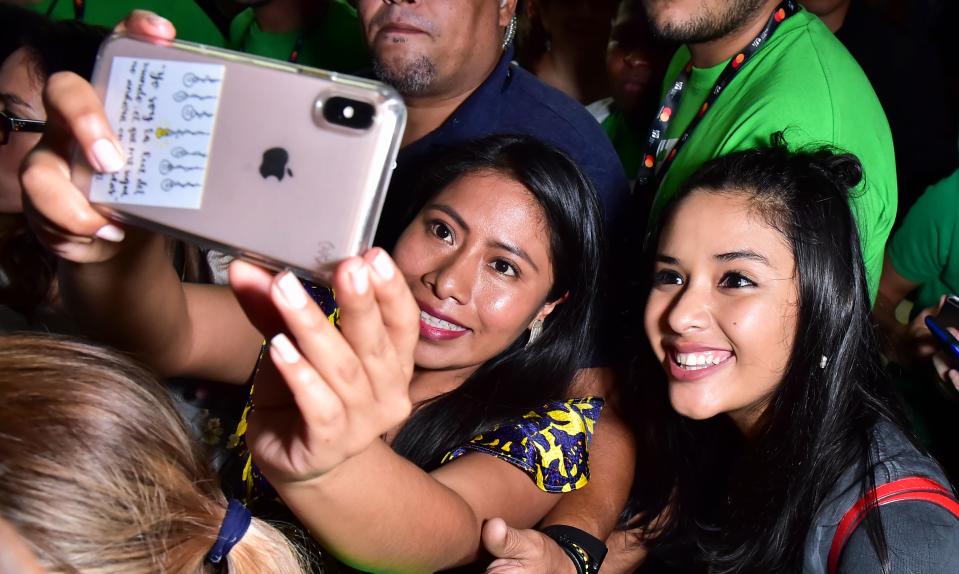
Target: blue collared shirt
<point>512,101</point>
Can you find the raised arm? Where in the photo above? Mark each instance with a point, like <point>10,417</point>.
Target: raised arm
<point>316,436</point>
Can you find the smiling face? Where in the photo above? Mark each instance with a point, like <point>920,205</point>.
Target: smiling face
<point>20,96</point>
<point>431,47</point>
<point>477,260</point>
<point>721,315</point>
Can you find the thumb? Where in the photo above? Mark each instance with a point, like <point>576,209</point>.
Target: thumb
<point>504,542</point>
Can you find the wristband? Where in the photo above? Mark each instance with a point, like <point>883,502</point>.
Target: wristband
<point>585,550</point>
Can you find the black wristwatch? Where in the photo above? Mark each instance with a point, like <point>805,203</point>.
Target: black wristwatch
<point>585,550</point>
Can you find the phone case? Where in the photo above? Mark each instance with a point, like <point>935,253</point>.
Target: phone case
<point>242,154</point>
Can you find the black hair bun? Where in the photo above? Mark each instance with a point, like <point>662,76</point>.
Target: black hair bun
<point>844,170</point>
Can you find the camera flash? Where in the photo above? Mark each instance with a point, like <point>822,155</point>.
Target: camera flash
<point>348,112</point>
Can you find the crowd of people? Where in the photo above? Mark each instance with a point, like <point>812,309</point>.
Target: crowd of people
<point>658,286</point>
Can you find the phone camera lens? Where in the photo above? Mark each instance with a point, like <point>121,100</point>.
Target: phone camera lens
<point>348,113</point>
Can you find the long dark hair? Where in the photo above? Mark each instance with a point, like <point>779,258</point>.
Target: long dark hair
<point>521,377</point>
<point>749,506</point>
<point>27,270</point>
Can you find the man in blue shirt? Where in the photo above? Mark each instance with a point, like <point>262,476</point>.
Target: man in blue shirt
<point>451,63</point>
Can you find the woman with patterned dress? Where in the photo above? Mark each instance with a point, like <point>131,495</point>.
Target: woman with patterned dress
<point>437,391</point>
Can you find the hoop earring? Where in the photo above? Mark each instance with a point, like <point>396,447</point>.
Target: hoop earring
<point>535,330</point>
<point>510,33</point>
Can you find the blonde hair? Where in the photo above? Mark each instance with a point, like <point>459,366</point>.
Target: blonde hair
<point>99,473</point>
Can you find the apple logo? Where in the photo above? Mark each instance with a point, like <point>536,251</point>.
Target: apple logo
<point>274,163</point>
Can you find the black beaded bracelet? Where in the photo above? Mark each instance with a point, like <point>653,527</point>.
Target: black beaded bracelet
<point>585,550</point>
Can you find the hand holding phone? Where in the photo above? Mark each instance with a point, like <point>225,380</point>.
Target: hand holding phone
<point>948,315</point>
<point>947,343</point>
<point>61,216</point>
<point>946,362</point>
<point>284,165</point>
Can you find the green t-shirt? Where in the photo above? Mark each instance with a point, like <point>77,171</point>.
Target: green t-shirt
<point>925,250</point>
<point>335,44</point>
<point>190,20</point>
<point>630,145</point>
<point>805,83</point>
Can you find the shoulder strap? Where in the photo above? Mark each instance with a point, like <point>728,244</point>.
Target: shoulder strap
<point>909,488</point>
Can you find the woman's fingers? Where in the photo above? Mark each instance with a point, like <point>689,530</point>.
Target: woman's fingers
<point>944,364</point>
<point>146,23</point>
<point>314,398</point>
<point>400,312</point>
<point>75,114</point>
<point>58,211</point>
<point>362,322</point>
<point>61,216</point>
<point>252,284</point>
<point>321,344</point>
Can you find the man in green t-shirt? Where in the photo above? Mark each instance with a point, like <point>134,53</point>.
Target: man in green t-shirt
<point>191,21</point>
<point>802,82</point>
<point>922,256</point>
<point>321,34</point>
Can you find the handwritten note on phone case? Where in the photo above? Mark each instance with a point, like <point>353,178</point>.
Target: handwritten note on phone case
<point>163,113</point>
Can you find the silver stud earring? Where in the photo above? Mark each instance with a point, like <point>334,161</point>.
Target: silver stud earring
<point>823,361</point>
<point>510,32</point>
<point>535,330</point>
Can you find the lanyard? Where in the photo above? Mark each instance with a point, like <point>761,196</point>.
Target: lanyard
<point>297,46</point>
<point>649,172</point>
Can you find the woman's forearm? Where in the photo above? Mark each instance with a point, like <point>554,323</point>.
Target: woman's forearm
<point>379,512</point>
<point>137,303</point>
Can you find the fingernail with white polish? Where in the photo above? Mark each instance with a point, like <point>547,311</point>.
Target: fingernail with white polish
<point>110,233</point>
<point>107,155</point>
<point>383,266</point>
<point>292,290</point>
<point>287,351</point>
<point>159,21</point>
<point>360,277</point>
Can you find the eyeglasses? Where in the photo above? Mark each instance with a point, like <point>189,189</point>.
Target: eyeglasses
<point>10,124</point>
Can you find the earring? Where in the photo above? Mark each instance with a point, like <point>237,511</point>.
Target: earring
<point>535,330</point>
<point>823,361</point>
<point>510,32</point>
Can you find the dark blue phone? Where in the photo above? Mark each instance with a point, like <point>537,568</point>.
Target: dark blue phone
<point>946,341</point>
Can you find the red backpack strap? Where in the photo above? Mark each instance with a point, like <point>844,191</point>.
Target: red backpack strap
<point>909,488</point>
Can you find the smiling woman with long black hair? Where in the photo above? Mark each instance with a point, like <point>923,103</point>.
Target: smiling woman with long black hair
<point>774,417</point>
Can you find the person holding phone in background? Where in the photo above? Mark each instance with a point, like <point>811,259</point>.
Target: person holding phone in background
<point>923,257</point>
